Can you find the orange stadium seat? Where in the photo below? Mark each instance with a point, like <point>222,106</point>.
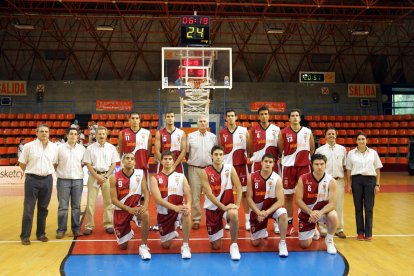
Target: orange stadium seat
<point>382,150</point>
<point>118,124</point>
<point>322,141</point>
<point>153,132</point>
<point>3,116</point>
<point>390,160</point>
<point>101,123</point>
<point>7,132</point>
<point>350,132</point>
<point>28,139</point>
<point>3,150</point>
<point>337,125</point>
<point>115,132</point>
<point>155,117</point>
<point>113,140</point>
<point>60,132</point>
<point>154,124</point>
<point>53,116</point>
<point>145,124</point>
<point>25,131</point>
<point>95,117</point>
<point>61,116</point>
<point>28,116</point>
<point>383,141</point>
<point>339,118</point>
<point>252,117</point>
<point>4,161</point>
<point>402,132</point>
<point>392,150</point>
<point>242,117</point>
<point>313,124</point>
<point>246,124</point>
<point>52,132</point>
<point>403,150</point>
<point>23,124</point>
<point>344,125</point>
<point>340,141</point>
<point>393,141</point>
<point>375,132</point>
<point>403,124</point>
<point>318,132</point>
<point>388,117</point>
<point>12,161</point>
<point>33,132</point>
<point>36,116</point>
<point>1,141</point>
<point>279,124</point>
<point>395,124</point>
<point>16,131</point>
<point>44,116</point>
<point>392,132</point>
<point>324,117</point>
<point>12,150</point>
<point>14,124</point>
<point>384,132</point>
<point>10,140</point>
<point>32,124</point>
<point>11,116</point>
<point>407,117</point>
<point>5,124</point>
<point>371,118</point>
<point>403,141</point>
<point>103,117</point>
<point>20,116</point>
<point>374,141</point>
<point>402,160</point>
<point>146,117</point>
<point>349,141</point>
<point>331,118</point>
<point>308,118</point>
<point>127,124</point>
<point>342,132</point>
<point>120,117</point>
<point>109,124</point>
<point>112,117</point>
<point>367,132</point>
<point>57,124</point>
<point>374,148</point>
<point>382,160</point>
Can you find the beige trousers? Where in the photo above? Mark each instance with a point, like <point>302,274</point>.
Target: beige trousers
<point>194,180</point>
<point>93,192</point>
<point>340,188</point>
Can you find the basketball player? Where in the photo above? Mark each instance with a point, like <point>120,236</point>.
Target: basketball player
<point>169,188</point>
<point>265,197</point>
<point>136,140</point>
<point>127,187</point>
<point>295,144</point>
<point>172,139</point>
<point>263,139</point>
<point>234,140</point>
<point>218,181</point>
<point>316,199</point>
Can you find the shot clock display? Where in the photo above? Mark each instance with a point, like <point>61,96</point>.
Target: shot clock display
<point>317,77</point>
<point>195,30</point>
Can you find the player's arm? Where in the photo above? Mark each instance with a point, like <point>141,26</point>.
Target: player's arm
<point>99,178</point>
<point>157,146</point>
<point>188,198</point>
<point>312,144</point>
<point>236,183</point>
<point>114,197</point>
<point>250,143</point>
<point>249,196</point>
<point>183,150</point>
<point>156,194</point>
<point>331,197</point>
<point>280,198</point>
<point>299,198</point>
<point>120,146</point>
<point>280,144</point>
<point>149,146</point>
<point>209,193</point>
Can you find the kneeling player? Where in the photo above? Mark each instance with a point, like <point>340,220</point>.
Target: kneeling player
<point>265,197</point>
<point>315,196</point>
<point>169,189</point>
<point>218,181</point>
<point>127,186</point>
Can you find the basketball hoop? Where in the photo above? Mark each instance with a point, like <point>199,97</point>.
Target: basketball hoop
<point>196,83</point>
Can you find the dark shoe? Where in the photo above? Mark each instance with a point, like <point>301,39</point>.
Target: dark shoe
<point>360,237</point>
<point>109,230</point>
<point>323,234</point>
<point>60,235</point>
<point>341,235</point>
<point>42,238</point>
<point>196,225</point>
<point>26,241</point>
<point>77,234</point>
<point>87,232</point>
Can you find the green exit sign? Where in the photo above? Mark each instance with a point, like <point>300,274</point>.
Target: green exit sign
<point>317,77</point>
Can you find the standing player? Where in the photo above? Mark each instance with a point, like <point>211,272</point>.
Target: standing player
<point>234,140</point>
<point>172,139</point>
<point>265,197</point>
<point>295,144</point>
<point>218,181</point>
<point>136,140</point>
<point>316,198</point>
<point>126,187</point>
<point>263,139</point>
<point>169,188</point>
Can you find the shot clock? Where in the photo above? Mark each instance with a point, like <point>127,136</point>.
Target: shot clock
<point>195,30</point>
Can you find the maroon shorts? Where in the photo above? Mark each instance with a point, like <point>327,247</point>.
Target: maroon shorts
<point>214,223</point>
<point>122,225</point>
<point>166,224</point>
<point>291,176</point>
<point>241,171</point>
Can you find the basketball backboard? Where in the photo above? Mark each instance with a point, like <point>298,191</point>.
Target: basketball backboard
<point>196,67</point>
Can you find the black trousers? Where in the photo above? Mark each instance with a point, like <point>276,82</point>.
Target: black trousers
<point>36,188</point>
<point>363,192</point>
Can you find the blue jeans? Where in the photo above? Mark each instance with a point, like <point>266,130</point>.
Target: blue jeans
<point>69,189</point>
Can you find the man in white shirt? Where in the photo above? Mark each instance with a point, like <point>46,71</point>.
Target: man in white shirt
<point>199,145</point>
<point>100,158</point>
<point>69,174</point>
<point>335,166</point>
<point>37,161</point>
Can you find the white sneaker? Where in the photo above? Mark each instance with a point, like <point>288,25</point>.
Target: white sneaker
<point>247,225</point>
<point>155,227</point>
<point>316,235</point>
<point>176,235</point>
<point>144,252</point>
<point>185,252</point>
<point>277,231</point>
<point>266,235</point>
<point>283,252</point>
<point>234,252</point>
<point>227,227</point>
<point>330,246</point>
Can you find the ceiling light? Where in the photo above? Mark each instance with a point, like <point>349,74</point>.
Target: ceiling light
<point>24,26</point>
<point>107,28</point>
<point>360,32</point>
<point>275,31</point>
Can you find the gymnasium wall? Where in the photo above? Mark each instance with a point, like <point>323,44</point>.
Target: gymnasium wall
<point>79,97</point>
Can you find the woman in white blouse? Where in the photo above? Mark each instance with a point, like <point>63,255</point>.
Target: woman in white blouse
<point>363,166</point>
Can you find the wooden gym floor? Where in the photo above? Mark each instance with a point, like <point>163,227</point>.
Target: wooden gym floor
<point>390,252</point>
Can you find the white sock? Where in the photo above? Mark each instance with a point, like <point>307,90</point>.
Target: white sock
<point>247,217</point>
<point>329,236</point>
<point>185,243</point>
<point>282,241</point>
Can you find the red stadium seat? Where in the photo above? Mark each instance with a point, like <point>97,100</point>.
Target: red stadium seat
<point>349,141</point>
<point>392,150</point>
<point>118,124</point>
<point>4,161</point>
<point>392,132</point>
<point>252,117</point>
<point>339,118</point>
<point>403,124</point>
<point>308,118</point>
<point>57,124</point>
<point>11,116</point>
<point>109,124</point>
<point>382,160</point>
<point>342,132</point>
<point>44,116</point>
<point>322,141</point>
<point>95,117</point>
<point>384,132</point>
<point>70,116</point>
<point>340,141</point>
<point>374,141</point>
<point>395,124</point>
<point>12,161</point>
<point>324,118</point>
<point>53,117</point>
<point>12,150</point>
<point>402,160</point>
<point>120,117</point>
<point>61,116</point>
<point>407,117</point>
<point>371,118</point>
<point>115,132</point>
<point>318,133</point>
<point>103,117</point>
<point>390,160</point>
<point>383,141</point>
<point>313,125</point>
<point>393,141</point>
<point>154,117</point>
<point>403,150</point>
<point>112,117</point>
<point>388,117</point>
<point>113,141</point>
<point>403,141</point>
<point>382,151</point>
<point>3,116</point>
